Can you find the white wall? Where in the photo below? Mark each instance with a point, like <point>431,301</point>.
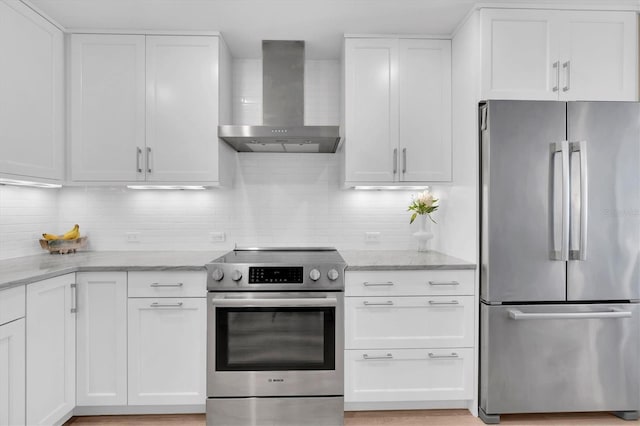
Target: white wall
<point>26,213</point>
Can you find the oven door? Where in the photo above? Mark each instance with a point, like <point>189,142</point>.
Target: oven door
<point>275,344</point>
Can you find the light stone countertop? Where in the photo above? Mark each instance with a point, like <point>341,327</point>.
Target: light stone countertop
<point>28,269</point>
<point>377,260</point>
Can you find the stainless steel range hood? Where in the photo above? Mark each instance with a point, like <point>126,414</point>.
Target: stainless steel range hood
<point>282,108</point>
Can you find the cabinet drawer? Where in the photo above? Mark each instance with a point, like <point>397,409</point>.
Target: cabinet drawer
<point>409,283</point>
<point>409,322</point>
<point>167,284</point>
<point>408,375</point>
<point>12,304</point>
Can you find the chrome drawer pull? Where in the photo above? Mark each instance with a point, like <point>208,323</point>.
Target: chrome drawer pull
<point>387,303</point>
<point>434,356</point>
<point>166,285</point>
<point>387,356</point>
<point>444,283</point>
<point>166,305</point>
<point>453,302</point>
<point>368,284</point>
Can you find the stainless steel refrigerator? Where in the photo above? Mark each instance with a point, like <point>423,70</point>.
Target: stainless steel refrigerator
<point>560,257</point>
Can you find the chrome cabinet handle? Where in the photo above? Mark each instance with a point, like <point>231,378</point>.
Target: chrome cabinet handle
<point>166,285</point>
<point>436,283</point>
<point>516,314</point>
<point>404,160</point>
<point>74,298</point>
<point>166,305</point>
<point>368,284</point>
<point>567,66</point>
<point>451,355</point>
<point>562,254</point>
<point>452,302</point>
<point>138,158</point>
<point>395,161</point>
<point>581,148</point>
<point>556,66</point>
<point>387,356</point>
<point>148,160</point>
<point>387,303</point>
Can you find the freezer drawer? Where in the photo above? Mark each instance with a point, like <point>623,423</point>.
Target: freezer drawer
<point>552,358</point>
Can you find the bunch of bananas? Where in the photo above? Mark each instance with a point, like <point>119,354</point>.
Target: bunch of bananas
<point>72,234</point>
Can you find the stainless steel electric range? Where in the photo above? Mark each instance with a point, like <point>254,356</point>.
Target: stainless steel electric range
<point>275,337</point>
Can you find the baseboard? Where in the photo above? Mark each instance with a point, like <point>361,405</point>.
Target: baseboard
<point>114,410</point>
<point>405,405</point>
<point>64,418</point>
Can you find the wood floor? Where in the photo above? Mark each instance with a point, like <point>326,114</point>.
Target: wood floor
<point>382,418</point>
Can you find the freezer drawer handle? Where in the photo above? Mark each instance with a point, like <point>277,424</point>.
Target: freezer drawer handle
<point>452,355</point>
<point>387,356</point>
<point>368,284</point>
<point>444,283</point>
<point>387,303</point>
<point>612,313</point>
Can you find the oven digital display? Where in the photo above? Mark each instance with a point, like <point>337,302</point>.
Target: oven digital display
<point>275,274</point>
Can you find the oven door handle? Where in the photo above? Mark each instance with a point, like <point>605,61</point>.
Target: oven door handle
<point>274,302</point>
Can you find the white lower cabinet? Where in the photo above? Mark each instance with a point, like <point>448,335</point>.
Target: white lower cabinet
<point>102,339</point>
<point>51,350</point>
<point>12,356</point>
<point>392,375</point>
<point>167,351</point>
<point>409,337</point>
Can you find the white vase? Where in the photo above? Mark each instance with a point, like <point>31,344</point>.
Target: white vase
<point>424,233</point>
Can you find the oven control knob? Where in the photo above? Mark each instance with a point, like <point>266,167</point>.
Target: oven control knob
<point>333,274</point>
<point>217,274</point>
<point>314,274</point>
<point>236,275</point>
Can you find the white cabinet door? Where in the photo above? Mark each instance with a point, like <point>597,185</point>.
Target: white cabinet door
<point>107,86</point>
<point>520,57</point>
<point>182,109</point>
<point>102,338</point>
<point>51,350</point>
<point>371,110</point>
<point>31,94</point>
<point>425,110</point>
<point>409,322</point>
<point>167,347</point>
<point>408,375</point>
<point>12,372</point>
<point>599,56</point>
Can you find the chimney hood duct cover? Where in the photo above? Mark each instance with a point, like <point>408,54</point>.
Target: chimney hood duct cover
<point>283,108</point>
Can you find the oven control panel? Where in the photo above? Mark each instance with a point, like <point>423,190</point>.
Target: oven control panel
<point>276,274</point>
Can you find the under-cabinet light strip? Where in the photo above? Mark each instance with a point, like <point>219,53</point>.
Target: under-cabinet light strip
<point>16,182</point>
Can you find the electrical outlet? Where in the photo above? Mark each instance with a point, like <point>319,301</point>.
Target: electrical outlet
<point>217,237</point>
<point>371,237</point>
<point>132,237</point>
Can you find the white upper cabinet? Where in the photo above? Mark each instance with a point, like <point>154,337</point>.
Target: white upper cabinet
<point>146,108</point>
<point>107,107</point>
<point>397,111</point>
<point>182,108</point>
<point>559,55</point>
<point>31,95</point>
<point>425,110</point>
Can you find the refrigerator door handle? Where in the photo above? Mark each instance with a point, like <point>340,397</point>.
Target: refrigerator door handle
<point>517,314</point>
<point>581,148</point>
<point>561,147</point>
